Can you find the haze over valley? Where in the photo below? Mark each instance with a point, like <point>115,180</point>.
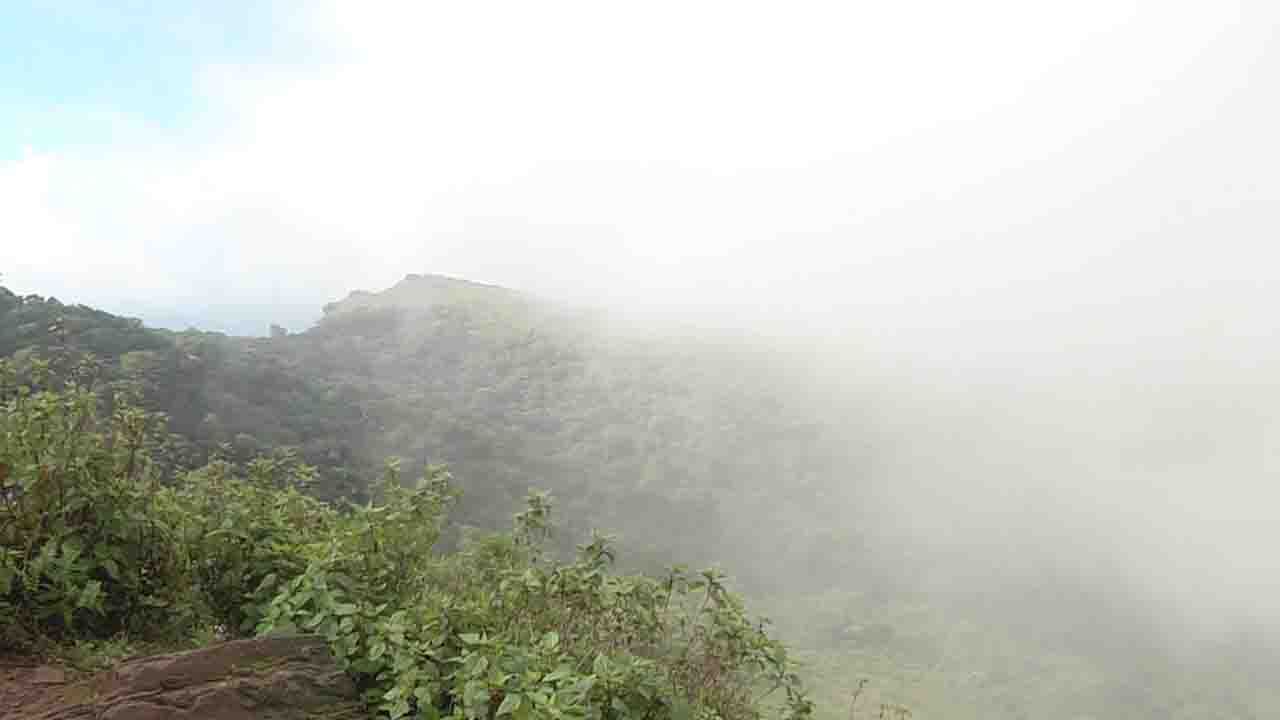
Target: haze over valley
<point>946,331</point>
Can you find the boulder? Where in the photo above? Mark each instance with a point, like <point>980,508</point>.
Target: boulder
<point>282,678</point>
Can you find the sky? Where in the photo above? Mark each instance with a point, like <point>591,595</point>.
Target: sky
<point>77,73</point>
<point>910,172</point>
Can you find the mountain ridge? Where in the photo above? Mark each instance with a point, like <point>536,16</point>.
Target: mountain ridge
<point>509,390</point>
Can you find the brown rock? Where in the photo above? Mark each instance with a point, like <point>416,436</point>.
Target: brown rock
<point>48,676</point>
<point>283,678</point>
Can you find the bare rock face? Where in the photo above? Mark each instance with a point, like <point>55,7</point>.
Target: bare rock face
<point>282,678</point>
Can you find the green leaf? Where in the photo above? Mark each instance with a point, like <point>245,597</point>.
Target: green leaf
<point>399,709</point>
<point>427,710</point>
<point>268,581</point>
<point>558,674</point>
<point>283,627</point>
<point>681,709</point>
<point>71,550</point>
<point>89,595</point>
<point>377,649</point>
<point>510,704</point>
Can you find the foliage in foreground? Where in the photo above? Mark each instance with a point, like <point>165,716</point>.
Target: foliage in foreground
<point>93,545</point>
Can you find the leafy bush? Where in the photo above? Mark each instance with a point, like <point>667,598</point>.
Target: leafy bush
<point>244,533</point>
<point>95,546</point>
<point>498,629</point>
<point>86,546</point>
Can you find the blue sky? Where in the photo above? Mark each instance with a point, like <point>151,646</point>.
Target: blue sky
<point>77,73</point>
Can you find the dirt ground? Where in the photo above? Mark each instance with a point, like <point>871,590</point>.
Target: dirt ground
<point>26,685</point>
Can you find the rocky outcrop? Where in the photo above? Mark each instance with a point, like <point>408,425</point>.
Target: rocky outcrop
<point>282,678</point>
<point>423,292</point>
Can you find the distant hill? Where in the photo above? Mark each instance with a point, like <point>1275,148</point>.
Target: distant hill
<point>675,441</point>
<point>423,292</point>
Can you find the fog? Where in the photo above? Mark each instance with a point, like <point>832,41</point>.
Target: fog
<point>913,167</point>
<point>1028,246</point>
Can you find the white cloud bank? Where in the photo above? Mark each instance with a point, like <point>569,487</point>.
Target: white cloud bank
<point>936,164</point>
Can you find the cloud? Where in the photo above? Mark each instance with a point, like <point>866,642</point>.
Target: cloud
<point>843,159</point>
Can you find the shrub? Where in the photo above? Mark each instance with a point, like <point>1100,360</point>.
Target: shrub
<point>86,548</point>
<point>93,546</point>
<point>498,629</point>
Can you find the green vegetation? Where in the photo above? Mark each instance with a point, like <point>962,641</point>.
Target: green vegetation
<point>675,443</point>
<point>96,545</point>
<point>162,487</point>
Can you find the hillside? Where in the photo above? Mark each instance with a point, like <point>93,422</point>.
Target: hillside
<point>671,440</point>
<point>695,446</point>
<point>105,551</point>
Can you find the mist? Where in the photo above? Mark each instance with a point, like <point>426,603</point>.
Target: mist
<point>1020,256</point>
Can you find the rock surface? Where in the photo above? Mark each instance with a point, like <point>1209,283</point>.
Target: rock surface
<point>282,678</point>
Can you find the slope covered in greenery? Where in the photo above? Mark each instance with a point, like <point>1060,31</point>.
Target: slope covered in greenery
<point>95,543</point>
<point>674,441</point>
<point>696,446</point>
